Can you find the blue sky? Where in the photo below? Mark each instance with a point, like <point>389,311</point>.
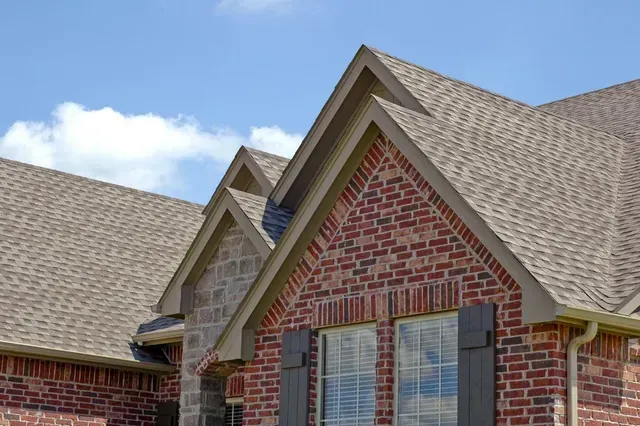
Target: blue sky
<point>159,94</point>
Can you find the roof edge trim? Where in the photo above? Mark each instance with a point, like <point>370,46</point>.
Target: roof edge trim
<point>29,351</point>
<point>364,58</point>
<point>224,204</point>
<point>157,337</point>
<point>614,322</point>
<point>242,158</point>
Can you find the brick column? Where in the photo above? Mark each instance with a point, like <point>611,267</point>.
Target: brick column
<point>384,372</point>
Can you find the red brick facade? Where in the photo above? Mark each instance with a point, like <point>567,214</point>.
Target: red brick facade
<point>36,391</point>
<point>391,247</point>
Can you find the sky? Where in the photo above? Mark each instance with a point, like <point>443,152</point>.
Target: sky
<point>160,94</point>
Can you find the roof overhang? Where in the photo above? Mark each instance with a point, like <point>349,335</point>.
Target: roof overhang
<point>173,334</point>
<point>336,116</point>
<point>237,340</point>
<point>16,349</point>
<point>177,298</point>
<point>242,170</point>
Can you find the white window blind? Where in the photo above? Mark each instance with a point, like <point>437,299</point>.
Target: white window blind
<point>348,377</point>
<point>233,414</point>
<point>427,373</point>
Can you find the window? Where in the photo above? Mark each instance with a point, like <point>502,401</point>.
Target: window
<point>233,412</point>
<point>347,376</point>
<point>427,371</point>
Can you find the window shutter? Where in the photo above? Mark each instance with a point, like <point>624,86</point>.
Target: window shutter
<point>476,365</point>
<point>294,378</point>
<point>167,413</point>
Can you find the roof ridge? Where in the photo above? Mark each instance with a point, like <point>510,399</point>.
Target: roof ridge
<point>602,89</point>
<point>98,182</point>
<point>515,101</point>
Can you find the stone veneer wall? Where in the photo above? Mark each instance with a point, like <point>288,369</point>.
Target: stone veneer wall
<point>227,278</point>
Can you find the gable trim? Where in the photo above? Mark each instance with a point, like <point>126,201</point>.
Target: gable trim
<point>224,211</point>
<point>364,61</point>
<point>337,171</point>
<point>242,158</point>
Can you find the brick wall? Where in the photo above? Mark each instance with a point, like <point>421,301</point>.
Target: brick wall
<point>391,247</point>
<point>226,280</point>
<point>48,392</point>
<point>170,384</point>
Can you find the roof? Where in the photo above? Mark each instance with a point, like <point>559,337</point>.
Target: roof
<point>616,109</point>
<point>550,187</point>
<point>81,261</point>
<point>272,165</point>
<point>270,220</point>
<point>545,194</point>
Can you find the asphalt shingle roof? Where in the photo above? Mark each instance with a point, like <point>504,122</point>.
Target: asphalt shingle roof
<point>616,109</point>
<point>82,261</point>
<point>272,165</point>
<point>269,219</point>
<point>550,187</point>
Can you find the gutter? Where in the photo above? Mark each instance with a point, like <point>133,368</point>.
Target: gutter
<point>18,349</point>
<point>159,337</point>
<point>612,322</point>
<point>572,371</point>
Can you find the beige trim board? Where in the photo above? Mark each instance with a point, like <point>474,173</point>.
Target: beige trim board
<point>237,178</point>
<point>612,322</point>
<point>337,171</point>
<point>629,304</point>
<point>159,337</point>
<point>364,62</point>
<point>223,212</point>
<point>17,349</point>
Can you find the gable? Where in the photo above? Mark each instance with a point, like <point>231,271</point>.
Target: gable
<point>365,75</point>
<point>260,220</point>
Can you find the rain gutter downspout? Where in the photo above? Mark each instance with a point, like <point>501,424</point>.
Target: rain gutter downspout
<point>572,371</point>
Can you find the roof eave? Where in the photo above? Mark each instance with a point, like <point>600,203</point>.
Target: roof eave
<point>17,349</point>
<point>159,337</point>
<point>608,321</point>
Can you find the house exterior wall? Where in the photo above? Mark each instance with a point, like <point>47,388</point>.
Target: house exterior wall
<point>392,248</point>
<point>170,383</point>
<point>34,391</point>
<point>232,269</point>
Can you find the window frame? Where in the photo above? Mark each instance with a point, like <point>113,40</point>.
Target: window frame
<point>396,350</point>
<point>235,400</point>
<point>372,325</point>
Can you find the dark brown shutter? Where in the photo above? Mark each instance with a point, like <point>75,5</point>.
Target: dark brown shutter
<point>476,365</point>
<point>167,413</point>
<point>294,378</point>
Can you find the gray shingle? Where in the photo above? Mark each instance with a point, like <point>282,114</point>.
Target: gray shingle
<point>82,261</point>
<point>547,186</point>
<point>272,165</point>
<point>616,109</point>
<point>269,219</point>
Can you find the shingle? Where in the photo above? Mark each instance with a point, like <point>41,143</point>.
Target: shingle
<point>82,261</point>
<point>269,219</point>
<point>272,165</point>
<point>546,185</point>
<point>616,109</point>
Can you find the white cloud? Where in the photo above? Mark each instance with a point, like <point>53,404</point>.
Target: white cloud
<point>254,6</point>
<point>140,151</point>
<point>275,140</point>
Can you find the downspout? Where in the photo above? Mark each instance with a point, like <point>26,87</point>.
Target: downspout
<point>572,371</point>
